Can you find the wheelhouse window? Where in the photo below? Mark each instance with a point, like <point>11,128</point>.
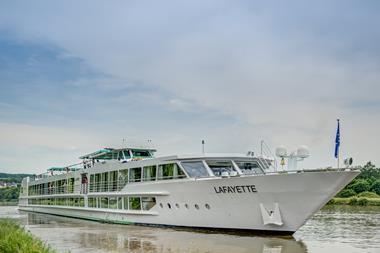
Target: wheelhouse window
<point>195,169</point>
<point>149,173</point>
<point>218,167</point>
<point>135,175</point>
<point>141,153</point>
<point>170,171</point>
<point>249,167</point>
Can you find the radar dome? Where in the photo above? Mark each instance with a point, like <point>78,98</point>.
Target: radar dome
<point>303,152</point>
<point>281,151</point>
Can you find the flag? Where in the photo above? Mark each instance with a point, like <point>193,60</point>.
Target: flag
<point>337,140</point>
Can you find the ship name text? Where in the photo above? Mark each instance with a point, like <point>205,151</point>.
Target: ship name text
<point>236,189</point>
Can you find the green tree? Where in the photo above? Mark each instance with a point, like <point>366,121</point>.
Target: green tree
<point>376,187</point>
<point>360,185</point>
<point>346,193</point>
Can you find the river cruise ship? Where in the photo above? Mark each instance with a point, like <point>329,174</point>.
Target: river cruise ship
<point>214,191</point>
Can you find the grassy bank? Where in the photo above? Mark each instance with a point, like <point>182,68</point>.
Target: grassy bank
<point>14,239</point>
<point>9,203</point>
<point>355,201</point>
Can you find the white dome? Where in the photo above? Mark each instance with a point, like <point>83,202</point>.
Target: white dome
<point>303,151</point>
<point>281,151</point>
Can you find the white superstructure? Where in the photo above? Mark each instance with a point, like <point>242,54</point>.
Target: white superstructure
<point>217,191</point>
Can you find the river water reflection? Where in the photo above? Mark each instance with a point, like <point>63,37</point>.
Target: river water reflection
<point>334,229</point>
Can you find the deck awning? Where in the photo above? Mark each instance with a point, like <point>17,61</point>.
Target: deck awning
<point>103,154</point>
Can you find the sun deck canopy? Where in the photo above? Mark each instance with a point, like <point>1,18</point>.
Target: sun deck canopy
<point>119,154</point>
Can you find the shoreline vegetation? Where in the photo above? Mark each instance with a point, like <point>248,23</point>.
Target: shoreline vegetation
<point>14,238</point>
<point>364,190</point>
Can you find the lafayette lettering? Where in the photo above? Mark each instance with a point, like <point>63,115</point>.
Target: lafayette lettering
<point>236,189</point>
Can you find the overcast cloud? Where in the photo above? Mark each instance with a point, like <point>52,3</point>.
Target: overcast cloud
<point>75,76</point>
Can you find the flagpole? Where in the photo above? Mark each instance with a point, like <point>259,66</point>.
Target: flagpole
<point>338,141</point>
<point>338,160</point>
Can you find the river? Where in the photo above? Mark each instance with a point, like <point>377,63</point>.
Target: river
<point>333,229</point>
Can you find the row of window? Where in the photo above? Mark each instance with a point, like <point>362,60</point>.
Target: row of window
<point>57,202</point>
<point>116,180</point>
<point>55,187</point>
<point>123,203</point>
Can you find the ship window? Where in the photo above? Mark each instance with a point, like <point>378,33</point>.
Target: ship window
<point>113,181</point>
<point>113,203</point>
<point>196,206</point>
<point>92,182</point>
<point>249,167</point>
<point>218,167</point>
<point>134,203</point>
<point>123,179</point>
<point>71,185</point>
<point>104,182</point>
<point>90,202</point>
<point>195,169</point>
<point>125,203</point>
<point>119,203</point>
<point>149,173</point>
<point>177,205</point>
<point>187,206</point>
<point>161,205</point>
<point>81,202</point>
<point>97,182</point>
<point>148,203</point>
<point>126,154</point>
<point>140,153</point>
<point>170,171</point>
<point>207,206</point>
<point>170,207</point>
<point>120,155</point>
<point>104,202</point>
<point>135,175</point>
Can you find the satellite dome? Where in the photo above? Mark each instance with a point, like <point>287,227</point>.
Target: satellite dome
<point>281,151</point>
<point>303,151</point>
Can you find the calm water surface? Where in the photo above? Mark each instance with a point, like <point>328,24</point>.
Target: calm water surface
<point>334,229</point>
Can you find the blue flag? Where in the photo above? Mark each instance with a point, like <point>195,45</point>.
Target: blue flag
<point>337,140</point>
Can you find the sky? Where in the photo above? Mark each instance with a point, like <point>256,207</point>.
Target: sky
<point>76,76</point>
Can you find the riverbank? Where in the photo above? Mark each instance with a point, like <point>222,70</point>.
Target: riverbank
<point>14,238</point>
<point>9,203</point>
<point>355,201</point>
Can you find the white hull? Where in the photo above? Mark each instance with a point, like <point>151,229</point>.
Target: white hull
<point>293,198</point>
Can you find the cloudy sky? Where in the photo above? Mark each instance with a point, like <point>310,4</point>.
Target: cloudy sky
<point>79,75</point>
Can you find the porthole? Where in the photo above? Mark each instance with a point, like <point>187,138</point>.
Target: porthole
<point>196,206</point>
<point>176,205</point>
<point>161,205</point>
<point>170,207</point>
<point>207,206</point>
<point>187,206</point>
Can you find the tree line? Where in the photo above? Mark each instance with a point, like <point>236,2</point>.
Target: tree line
<point>367,184</point>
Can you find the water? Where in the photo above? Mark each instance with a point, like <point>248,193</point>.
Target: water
<point>334,229</point>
